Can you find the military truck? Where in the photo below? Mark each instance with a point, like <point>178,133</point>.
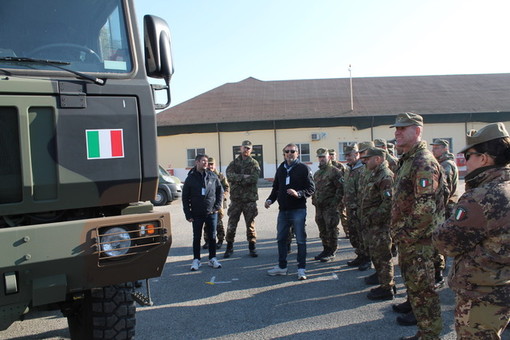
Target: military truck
<point>78,149</point>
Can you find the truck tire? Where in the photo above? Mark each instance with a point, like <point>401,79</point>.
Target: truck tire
<point>161,198</point>
<point>104,313</point>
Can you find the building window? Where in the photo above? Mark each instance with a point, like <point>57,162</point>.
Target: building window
<point>304,152</point>
<point>192,153</point>
<point>340,152</point>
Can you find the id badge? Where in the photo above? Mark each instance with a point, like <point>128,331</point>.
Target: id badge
<point>203,191</point>
<point>287,180</point>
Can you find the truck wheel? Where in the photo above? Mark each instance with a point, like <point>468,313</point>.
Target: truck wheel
<point>104,313</point>
<point>161,198</point>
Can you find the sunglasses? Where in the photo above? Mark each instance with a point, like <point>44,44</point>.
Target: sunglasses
<point>291,151</point>
<point>467,155</point>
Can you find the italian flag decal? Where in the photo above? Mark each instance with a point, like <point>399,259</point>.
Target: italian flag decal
<point>105,143</point>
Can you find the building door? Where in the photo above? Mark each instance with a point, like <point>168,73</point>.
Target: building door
<point>256,153</point>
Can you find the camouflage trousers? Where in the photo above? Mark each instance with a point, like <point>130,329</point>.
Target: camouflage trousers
<point>220,228</point>
<point>417,266</point>
<point>379,246</point>
<point>355,234</point>
<point>343,219</point>
<point>477,319</point>
<point>249,210</point>
<point>327,218</point>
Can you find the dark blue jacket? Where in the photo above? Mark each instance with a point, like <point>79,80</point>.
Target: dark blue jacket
<point>301,180</point>
<point>202,194</point>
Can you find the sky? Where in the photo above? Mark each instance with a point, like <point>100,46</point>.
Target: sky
<point>227,41</point>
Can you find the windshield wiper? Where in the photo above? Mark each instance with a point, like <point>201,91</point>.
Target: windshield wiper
<point>54,63</point>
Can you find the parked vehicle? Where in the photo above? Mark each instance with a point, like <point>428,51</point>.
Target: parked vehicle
<point>78,143</point>
<point>169,188</point>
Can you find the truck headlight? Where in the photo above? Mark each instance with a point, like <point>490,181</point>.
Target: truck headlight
<point>115,241</point>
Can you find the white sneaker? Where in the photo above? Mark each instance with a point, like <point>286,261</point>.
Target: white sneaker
<point>301,274</point>
<point>195,264</point>
<point>277,271</point>
<point>214,263</point>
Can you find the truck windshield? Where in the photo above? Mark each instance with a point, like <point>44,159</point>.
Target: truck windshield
<point>84,35</point>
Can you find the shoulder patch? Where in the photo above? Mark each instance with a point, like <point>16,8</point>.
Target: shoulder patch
<point>460,214</point>
<point>424,182</point>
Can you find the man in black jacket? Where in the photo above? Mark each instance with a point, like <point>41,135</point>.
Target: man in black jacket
<point>202,196</point>
<point>293,183</point>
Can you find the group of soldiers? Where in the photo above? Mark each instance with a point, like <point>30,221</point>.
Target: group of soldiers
<point>388,200</point>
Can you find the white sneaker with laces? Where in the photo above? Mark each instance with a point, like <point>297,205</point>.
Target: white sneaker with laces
<point>301,274</point>
<point>214,263</point>
<point>195,264</point>
<point>277,271</point>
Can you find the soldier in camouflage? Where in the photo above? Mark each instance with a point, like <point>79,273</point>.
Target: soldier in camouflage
<point>328,193</point>
<point>376,215</point>
<point>353,172</point>
<point>341,206</point>
<point>440,150</point>
<point>417,208</point>
<point>363,228</point>
<point>243,175</point>
<point>477,236</point>
<point>220,229</point>
<point>392,161</point>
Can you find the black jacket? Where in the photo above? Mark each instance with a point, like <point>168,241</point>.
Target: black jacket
<point>301,180</point>
<point>194,202</point>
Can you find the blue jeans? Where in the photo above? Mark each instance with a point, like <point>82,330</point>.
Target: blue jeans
<point>286,219</point>
<point>211,222</point>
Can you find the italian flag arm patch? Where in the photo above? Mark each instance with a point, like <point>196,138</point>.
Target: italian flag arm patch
<point>105,143</point>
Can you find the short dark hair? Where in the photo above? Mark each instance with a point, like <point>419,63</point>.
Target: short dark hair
<point>292,145</point>
<point>200,156</point>
<point>499,149</point>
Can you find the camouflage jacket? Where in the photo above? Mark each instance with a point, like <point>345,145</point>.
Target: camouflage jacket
<point>376,198</point>
<point>243,189</point>
<point>329,188</point>
<point>447,161</point>
<point>477,235</point>
<point>392,162</point>
<point>419,195</point>
<point>351,184</point>
<point>224,183</point>
<point>339,165</point>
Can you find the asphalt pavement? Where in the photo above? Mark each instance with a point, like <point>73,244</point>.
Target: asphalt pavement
<point>240,300</point>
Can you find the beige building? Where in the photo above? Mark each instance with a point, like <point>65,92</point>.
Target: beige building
<point>322,113</point>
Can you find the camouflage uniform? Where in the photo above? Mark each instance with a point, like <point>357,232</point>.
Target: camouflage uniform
<point>351,191</point>
<point>328,193</point>
<point>417,207</point>
<point>341,205</point>
<point>447,162</point>
<point>220,228</point>
<point>376,214</point>
<point>243,196</point>
<point>477,235</point>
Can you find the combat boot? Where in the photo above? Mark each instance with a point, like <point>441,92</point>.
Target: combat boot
<point>253,251</point>
<point>407,320</point>
<point>229,251</point>
<point>380,293</point>
<point>329,256</point>
<point>365,264</point>
<point>404,307</point>
<point>372,279</point>
<point>323,253</point>
<point>356,262</point>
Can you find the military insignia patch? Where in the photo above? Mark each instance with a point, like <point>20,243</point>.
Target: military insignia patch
<point>424,182</point>
<point>460,214</point>
<point>387,193</point>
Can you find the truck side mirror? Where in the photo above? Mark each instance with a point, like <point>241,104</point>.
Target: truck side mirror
<point>158,54</point>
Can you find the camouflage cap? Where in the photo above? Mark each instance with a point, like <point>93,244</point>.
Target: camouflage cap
<point>365,145</point>
<point>211,160</point>
<point>322,152</point>
<point>373,151</point>
<point>408,119</point>
<point>331,151</point>
<point>378,142</point>
<point>439,141</point>
<point>485,134</point>
<point>247,143</point>
<point>350,148</point>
